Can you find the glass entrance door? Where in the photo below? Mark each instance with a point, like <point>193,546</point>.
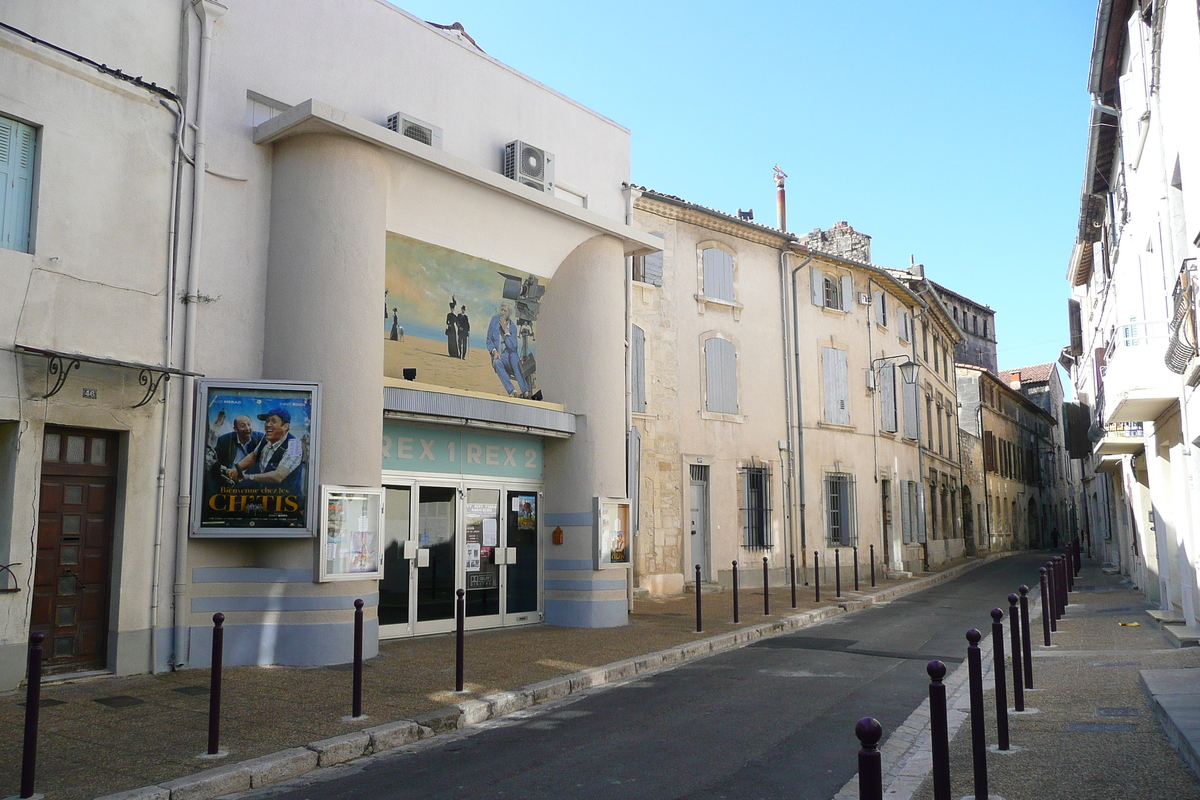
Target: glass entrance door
<point>483,555</point>
<point>438,539</point>
<point>521,558</point>
<point>437,558</point>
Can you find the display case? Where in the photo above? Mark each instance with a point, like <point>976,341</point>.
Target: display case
<point>351,538</point>
<point>612,543</point>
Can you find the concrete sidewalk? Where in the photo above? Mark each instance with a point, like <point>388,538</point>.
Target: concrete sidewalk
<point>1094,734</point>
<point>110,735</point>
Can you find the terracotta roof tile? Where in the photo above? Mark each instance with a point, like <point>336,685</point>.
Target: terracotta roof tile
<point>1038,373</point>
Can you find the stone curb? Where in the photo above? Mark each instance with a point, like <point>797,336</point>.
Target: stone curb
<point>297,761</point>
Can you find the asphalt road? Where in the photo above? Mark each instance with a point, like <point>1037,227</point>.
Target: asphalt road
<point>773,720</point>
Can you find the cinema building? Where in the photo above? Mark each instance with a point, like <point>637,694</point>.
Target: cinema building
<point>287,326</point>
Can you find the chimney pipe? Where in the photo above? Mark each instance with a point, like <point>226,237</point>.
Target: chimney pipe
<point>780,198</point>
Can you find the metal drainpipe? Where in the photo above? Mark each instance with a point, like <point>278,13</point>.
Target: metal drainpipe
<point>160,497</point>
<point>797,449</point>
<point>208,12</point>
<point>788,473</point>
<point>987,501</point>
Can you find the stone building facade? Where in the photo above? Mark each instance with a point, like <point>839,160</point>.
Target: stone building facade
<point>978,324</point>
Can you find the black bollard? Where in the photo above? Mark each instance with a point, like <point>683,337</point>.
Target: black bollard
<point>998,673</point>
<point>33,703</point>
<point>460,616</point>
<point>792,561</point>
<point>856,568</point>
<point>736,619</point>
<point>356,705</point>
<point>214,686</point>
<point>870,764</point>
<point>1026,642</point>
<point>1068,585</point>
<point>1052,602</point>
<point>817,574</point>
<point>1047,620</point>
<point>837,572</point>
<point>1069,558</point>
<point>872,566</point>
<point>978,734</point>
<point>766,591</point>
<point>699,615</point>
<point>1078,557</point>
<point>938,730</point>
<point>1014,630</point>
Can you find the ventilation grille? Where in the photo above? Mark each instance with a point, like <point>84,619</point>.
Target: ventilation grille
<point>699,472</point>
<point>415,129</point>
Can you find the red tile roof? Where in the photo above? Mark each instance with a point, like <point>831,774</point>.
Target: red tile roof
<point>1038,373</point>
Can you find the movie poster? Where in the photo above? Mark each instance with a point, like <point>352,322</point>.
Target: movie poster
<point>454,320</point>
<point>256,459</point>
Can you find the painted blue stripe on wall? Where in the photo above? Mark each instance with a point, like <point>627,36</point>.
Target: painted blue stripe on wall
<point>250,575</point>
<point>587,613</point>
<point>569,563</point>
<point>576,518</point>
<point>203,605</point>
<point>584,586</point>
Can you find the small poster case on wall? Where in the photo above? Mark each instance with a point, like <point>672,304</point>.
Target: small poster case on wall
<point>350,546</point>
<point>612,545</point>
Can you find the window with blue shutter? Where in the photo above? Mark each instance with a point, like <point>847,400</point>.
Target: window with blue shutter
<point>720,372</point>
<point>836,385</point>
<point>638,370</point>
<point>17,154</point>
<point>718,274</point>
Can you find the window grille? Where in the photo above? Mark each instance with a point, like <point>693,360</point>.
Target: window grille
<point>840,510</point>
<point>756,507</point>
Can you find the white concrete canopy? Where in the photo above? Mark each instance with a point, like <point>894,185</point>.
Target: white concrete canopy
<point>442,199</point>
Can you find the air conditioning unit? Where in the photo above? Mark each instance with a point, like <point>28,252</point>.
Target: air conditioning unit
<point>414,128</point>
<point>529,165</point>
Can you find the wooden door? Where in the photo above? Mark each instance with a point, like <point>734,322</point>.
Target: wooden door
<point>74,543</point>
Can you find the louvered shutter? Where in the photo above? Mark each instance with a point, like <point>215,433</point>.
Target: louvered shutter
<point>720,376</point>
<point>818,286</point>
<point>837,394</point>
<point>638,370</point>
<point>652,267</point>
<point>847,293</point>
<point>879,306</point>
<point>911,424</point>
<point>920,526</point>
<point>887,396</point>
<point>17,142</point>
<point>906,526</point>
<point>718,274</point>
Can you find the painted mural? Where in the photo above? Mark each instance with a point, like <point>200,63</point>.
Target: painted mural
<point>458,321</point>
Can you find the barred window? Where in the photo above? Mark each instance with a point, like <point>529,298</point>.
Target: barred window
<point>756,507</point>
<point>840,510</point>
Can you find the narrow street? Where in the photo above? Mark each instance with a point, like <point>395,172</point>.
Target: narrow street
<point>774,719</point>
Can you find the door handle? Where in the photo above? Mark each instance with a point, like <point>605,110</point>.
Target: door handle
<point>693,533</point>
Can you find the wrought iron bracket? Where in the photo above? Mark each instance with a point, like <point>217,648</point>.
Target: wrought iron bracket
<point>150,379</point>
<point>8,568</point>
<point>58,368</point>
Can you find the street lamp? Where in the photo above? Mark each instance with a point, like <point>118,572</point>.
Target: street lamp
<point>908,369</point>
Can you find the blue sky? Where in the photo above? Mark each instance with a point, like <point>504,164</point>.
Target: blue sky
<point>951,131</point>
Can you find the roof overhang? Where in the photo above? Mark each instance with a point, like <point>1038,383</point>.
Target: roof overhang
<point>1109,464</point>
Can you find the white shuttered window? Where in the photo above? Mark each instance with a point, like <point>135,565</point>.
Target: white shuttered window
<point>911,420</point>
<point>17,143</point>
<point>837,391</point>
<point>887,397</point>
<point>720,368</point>
<point>718,274</point>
